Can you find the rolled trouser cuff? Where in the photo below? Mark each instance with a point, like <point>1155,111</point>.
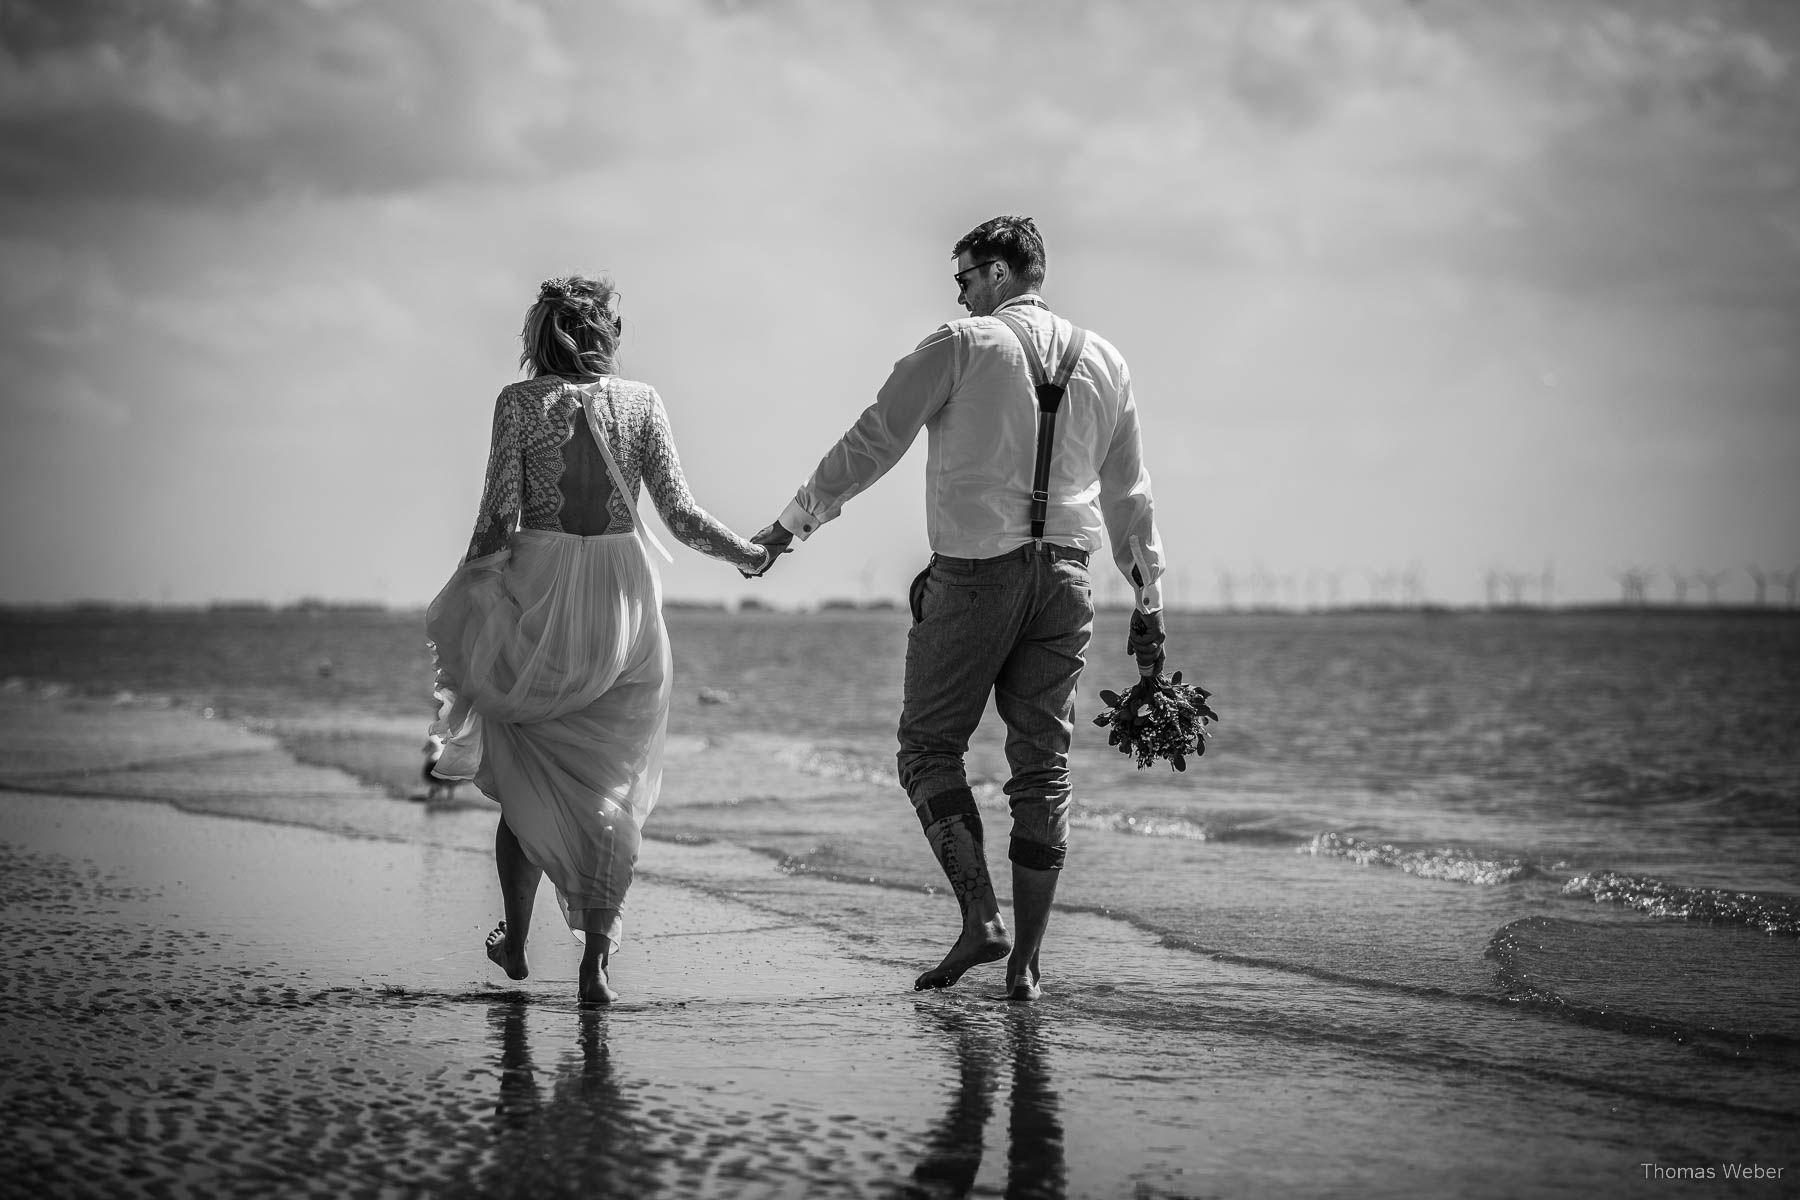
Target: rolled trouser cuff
<point>957,802</point>
<point>1036,855</point>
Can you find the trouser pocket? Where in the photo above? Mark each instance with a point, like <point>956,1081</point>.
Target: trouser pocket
<point>915,594</point>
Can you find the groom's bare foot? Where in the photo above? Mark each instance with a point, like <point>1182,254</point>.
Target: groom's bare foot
<point>1023,986</point>
<point>595,988</point>
<point>985,943</point>
<point>1023,979</point>
<point>506,954</point>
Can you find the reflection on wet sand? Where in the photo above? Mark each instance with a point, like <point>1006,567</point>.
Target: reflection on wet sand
<point>582,1138</point>
<point>574,1127</point>
<point>1035,1166</point>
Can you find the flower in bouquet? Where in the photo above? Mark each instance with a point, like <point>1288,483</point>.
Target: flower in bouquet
<point>1159,718</point>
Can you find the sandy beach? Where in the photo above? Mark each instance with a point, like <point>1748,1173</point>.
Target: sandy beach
<point>206,998</point>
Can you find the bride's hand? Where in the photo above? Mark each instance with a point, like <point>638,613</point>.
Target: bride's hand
<point>769,556</point>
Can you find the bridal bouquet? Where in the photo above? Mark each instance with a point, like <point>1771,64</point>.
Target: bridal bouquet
<point>1160,717</point>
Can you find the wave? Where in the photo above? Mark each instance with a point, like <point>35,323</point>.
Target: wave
<point>1757,807</point>
<point>830,763</point>
<point>1143,824</point>
<point>1446,863</point>
<point>1163,823</point>
<point>1630,784</point>
<point>54,690</point>
<point>851,766</point>
<point>1597,975</point>
<point>1744,801</point>
<point>1658,898</point>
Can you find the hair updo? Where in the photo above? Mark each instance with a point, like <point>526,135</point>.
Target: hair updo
<point>570,329</point>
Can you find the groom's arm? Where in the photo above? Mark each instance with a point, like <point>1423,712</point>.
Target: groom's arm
<point>915,390</point>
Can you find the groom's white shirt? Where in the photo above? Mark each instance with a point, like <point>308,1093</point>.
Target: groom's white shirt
<point>967,386</point>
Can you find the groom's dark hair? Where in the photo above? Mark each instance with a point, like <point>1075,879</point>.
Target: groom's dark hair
<point>1015,240</point>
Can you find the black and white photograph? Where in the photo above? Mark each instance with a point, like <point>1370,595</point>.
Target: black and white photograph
<point>1158,599</point>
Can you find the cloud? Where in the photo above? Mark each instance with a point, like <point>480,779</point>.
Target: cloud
<point>1668,156</point>
<point>297,234</point>
<point>1607,150</point>
<point>61,312</point>
<point>57,297</point>
<point>1269,131</point>
<point>1553,138</point>
<point>1633,63</point>
<point>68,397</point>
<point>1293,65</point>
<point>219,98</point>
<point>282,315</point>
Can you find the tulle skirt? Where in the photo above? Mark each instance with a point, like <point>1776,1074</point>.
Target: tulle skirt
<point>553,691</point>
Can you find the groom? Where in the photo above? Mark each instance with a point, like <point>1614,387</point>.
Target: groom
<point>1006,605</point>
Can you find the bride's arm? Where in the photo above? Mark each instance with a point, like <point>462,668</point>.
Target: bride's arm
<point>503,494</point>
<point>692,525</point>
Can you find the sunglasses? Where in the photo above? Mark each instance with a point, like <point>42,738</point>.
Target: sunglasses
<point>961,283</point>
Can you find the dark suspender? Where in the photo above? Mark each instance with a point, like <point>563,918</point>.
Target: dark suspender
<point>1049,398</point>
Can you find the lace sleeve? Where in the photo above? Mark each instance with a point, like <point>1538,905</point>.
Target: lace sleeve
<point>503,493</point>
<point>692,525</point>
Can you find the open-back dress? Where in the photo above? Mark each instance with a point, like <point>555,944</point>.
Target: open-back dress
<point>552,659</point>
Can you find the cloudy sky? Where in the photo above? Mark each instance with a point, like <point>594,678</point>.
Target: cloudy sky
<point>1439,287</point>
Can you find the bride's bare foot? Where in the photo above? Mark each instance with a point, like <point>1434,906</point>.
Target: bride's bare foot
<point>507,955</point>
<point>595,987</point>
<point>985,943</point>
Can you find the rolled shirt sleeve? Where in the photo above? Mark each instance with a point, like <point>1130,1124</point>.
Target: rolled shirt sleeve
<point>917,387</point>
<point>1127,507</point>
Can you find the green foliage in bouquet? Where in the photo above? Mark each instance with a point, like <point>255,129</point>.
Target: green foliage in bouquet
<point>1159,718</point>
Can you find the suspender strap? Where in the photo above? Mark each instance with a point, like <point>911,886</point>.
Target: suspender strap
<point>1049,398</point>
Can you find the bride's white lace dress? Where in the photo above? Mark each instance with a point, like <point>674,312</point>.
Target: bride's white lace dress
<point>552,659</point>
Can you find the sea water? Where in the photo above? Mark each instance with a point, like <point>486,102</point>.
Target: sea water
<point>1556,850</point>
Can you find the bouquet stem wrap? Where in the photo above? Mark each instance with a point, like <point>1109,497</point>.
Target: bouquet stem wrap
<point>1159,718</point>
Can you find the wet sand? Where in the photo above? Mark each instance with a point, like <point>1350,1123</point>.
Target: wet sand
<point>216,1003</point>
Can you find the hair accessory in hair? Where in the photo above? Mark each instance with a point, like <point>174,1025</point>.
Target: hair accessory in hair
<point>556,289</point>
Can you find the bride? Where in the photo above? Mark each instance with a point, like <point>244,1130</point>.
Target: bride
<point>552,658</point>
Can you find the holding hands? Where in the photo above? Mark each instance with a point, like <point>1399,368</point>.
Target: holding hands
<point>778,540</point>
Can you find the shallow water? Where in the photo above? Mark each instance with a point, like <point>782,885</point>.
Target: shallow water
<point>188,1014</point>
<point>1552,855</point>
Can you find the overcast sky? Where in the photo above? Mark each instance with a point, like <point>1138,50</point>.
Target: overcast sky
<point>1445,287</point>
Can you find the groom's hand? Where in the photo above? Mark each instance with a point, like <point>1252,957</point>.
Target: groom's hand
<point>778,538</point>
<point>1145,642</point>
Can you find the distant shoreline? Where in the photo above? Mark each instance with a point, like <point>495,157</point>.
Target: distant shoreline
<point>80,608</point>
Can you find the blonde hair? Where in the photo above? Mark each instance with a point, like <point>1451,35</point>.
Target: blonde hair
<point>570,328</point>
